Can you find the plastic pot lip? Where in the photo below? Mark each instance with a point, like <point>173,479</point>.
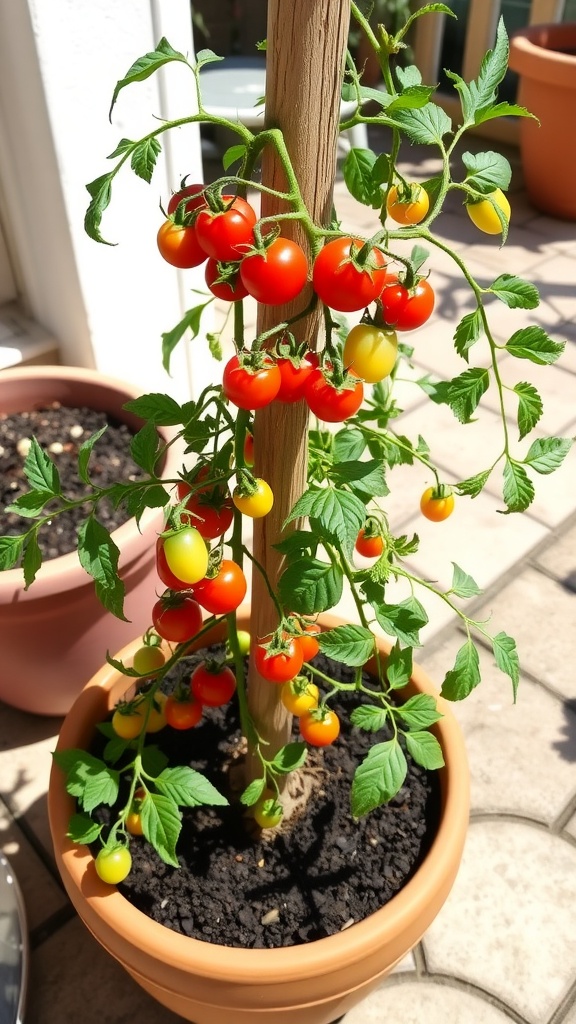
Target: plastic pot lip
<point>65,572</point>
<point>295,962</point>
<point>536,51</point>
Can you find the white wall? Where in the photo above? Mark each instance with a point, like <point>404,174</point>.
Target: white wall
<point>59,62</point>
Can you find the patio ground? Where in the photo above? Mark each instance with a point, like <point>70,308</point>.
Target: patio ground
<point>503,949</point>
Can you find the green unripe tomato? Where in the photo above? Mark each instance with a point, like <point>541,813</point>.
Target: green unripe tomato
<point>244,639</point>
<point>186,554</point>
<point>268,812</point>
<point>113,866</point>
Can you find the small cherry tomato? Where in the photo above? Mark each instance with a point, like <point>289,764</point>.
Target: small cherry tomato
<point>308,642</point>
<point>157,716</point>
<point>268,811</point>
<point>330,403</point>
<point>244,641</point>
<point>113,866</point>
<point>251,388</point>
<point>406,309</point>
<point>249,449</point>
<point>224,592</point>
<point>437,503</point>
<point>223,280</point>
<point>281,666</point>
<point>133,823</point>
<point>211,508</point>
<point>148,659</point>
<point>277,275</point>
<point>370,352</point>
<point>226,235</point>
<point>213,687</point>
<point>408,207</point>
<point>128,722</point>
<point>168,578</point>
<point>293,377</point>
<point>341,282</point>
<point>179,246</point>
<point>483,214</point>
<point>195,201</point>
<point>319,727</point>
<point>299,695</point>
<point>369,547</point>
<point>257,504</point>
<point>186,554</point>
<point>183,714</point>
<point>177,617</point>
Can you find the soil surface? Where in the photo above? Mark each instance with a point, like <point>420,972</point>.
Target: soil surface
<point>60,431</point>
<point>312,877</point>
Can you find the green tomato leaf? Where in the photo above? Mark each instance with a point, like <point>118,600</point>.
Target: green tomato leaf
<point>463,393</point>
<point>506,657</point>
<point>289,758</point>
<point>502,110</point>
<point>99,555</point>
<point>399,667</point>
<point>547,454</point>
<point>308,586</point>
<point>32,560</point>
<point>10,551</point>
<point>518,491</point>
<point>379,777</point>
<point>411,98</point>
<point>188,788</point>
<point>349,444</point>
<point>88,778</point>
<point>84,453</point>
<point>427,125</point>
<point>82,829</point>
<point>253,792</point>
<point>487,171</point>
<point>530,407</point>
<point>403,620</point>
<point>101,193</point>
<point>369,718</point>
<point>419,712</point>
<point>468,332</point>
<point>161,409</point>
<point>30,504</point>
<point>161,824</point>
<point>40,471</point>
<point>190,321</point>
<point>534,344</point>
<point>357,170</point>
<point>233,155</point>
<point>462,584</point>
<point>144,447</point>
<point>366,479</point>
<point>338,513</point>
<point>461,680</point>
<point>425,750</point>
<point>351,645</point>
<point>144,158</point>
<point>146,66</point>
<point>474,484</point>
<point>516,293</point>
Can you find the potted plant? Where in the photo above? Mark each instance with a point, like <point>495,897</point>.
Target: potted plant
<point>246,438</point>
<point>71,624</point>
<point>544,56</point>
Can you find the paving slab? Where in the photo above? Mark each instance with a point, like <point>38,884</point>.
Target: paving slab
<point>570,1018</point>
<point>42,896</point>
<point>26,745</point>
<point>518,755</point>
<point>508,924</point>
<point>571,827</point>
<point>425,1002</point>
<point>559,558</point>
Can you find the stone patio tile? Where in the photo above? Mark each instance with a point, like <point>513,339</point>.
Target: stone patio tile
<point>42,896</point>
<point>571,1016</point>
<point>73,979</point>
<point>560,558</point>
<point>425,1002</point>
<point>571,827</point>
<point>26,743</point>
<point>519,758</point>
<point>555,385</point>
<point>508,924</point>
<point>540,614</point>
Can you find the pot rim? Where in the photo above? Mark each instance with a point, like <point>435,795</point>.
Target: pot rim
<point>536,51</point>
<point>309,960</point>
<point>66,572</point>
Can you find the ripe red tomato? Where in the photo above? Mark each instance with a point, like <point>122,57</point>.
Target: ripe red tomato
<point>226,235</point>
<point>249,449</point>
<point>182,714</point>
<point>293,377</point>
<point>278,668</point>
<point>308,642</point>
<point>168,578</point>
<point>177,617</point>
<point>340,282</point>
<point>404,309</point>
<point>230,288</point>
<point>211,508</point>
<point>276,276</point>
<point>369,547</point>
<point>224,592</point>
<point>196,200</point>
<point>248,388</point>
<point>331,404</point>
<point>319,726</point>
<point>179,246</point>
<point>213,687</point>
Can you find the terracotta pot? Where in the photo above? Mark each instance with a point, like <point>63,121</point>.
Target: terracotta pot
<point>544,56</point>
<point>53,635</point>
<point>309,984</point>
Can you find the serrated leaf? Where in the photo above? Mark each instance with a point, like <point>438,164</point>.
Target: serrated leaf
<point>144,447</point>
<point>99,556</point>
<point>534,343</point>
<point>506,656</point>
<point>516,293</point>
<point>380,776</point>
<point>351,645</point>
<point>547,454</point>
<point>82,829</point>
<point>403,620</point>
<point>349,444</point>
<point>357,170</point>
<point>101,192</point>
<point>369,717</point>
<point>419,712</point>
<point>40,471</point>
<point>463,393</point>
<point>188,788</point>
<point>468,332</point>
<point>154,760</point>
<point>88,779</point>
<point>412,97</point>
<point>502,110</point>
<point>290,757</point>
<point>461,680</point>
<point>297,543</point>
<point>518,491</point>
<point>462,584</point>
<point>206,56</point>
<point>399,667</point>
<point>85,451</point>
<point>473,485</point>
<point>530,407</point>
<point>10,551</point>
<point>144,158</point>
<point>487,171</point>
<point>366,479</point>
<point>161,824</point>
<point>146,66</point>
<point>253,792</point>
<point>30,504</point>
<point>338,513</point>
<point>309,585</point>
<point>32,560</point>
<point>427,125</point>
<point>191,321</point>
<point>425,750</point>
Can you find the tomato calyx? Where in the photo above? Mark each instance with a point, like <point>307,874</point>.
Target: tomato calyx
<point>441,491</point>
<point>247,484</point>
<point>363,256</point>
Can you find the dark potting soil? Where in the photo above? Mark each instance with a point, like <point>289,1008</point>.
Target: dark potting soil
<point>314,876</point>
<point>61,430</point>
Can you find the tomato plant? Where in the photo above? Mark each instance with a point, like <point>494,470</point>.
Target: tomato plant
<point>148,659</point>
<point>251,387</point>
<point>177,617</point>
<point>293,377</point>
<point>437,503</point>
<point>369,545</point>
<point>331,402</point>
<point>268,811</point>
<point>113,865</point>
<point>342,281</point>
<point>319,726</point>
<point>186,554</point>
<point>179,246</point>
<point>370,352</point>
<point>299,695</point>
<point>257,503</point>
<point>406,309</point>
<point>277,665</point>
<point>213,686</point>
<point>483,214</point>
<point>183,713</point>
<point>224,592</point>
<point>409,205</point>
<point>226,235</point>
<point>276,275</point>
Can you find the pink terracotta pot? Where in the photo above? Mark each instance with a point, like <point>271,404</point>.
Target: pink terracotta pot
<point>544,56</point>
<point>54,635</point>
<point>310,984</point>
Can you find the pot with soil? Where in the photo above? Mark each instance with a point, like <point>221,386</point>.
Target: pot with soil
<point>307,980</point>
<point>544,56</point>
<point>52,635</point>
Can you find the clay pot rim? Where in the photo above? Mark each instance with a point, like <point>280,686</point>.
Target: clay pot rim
<point>536,51</point>
<point>295,962</point>
<point>65,571</point>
